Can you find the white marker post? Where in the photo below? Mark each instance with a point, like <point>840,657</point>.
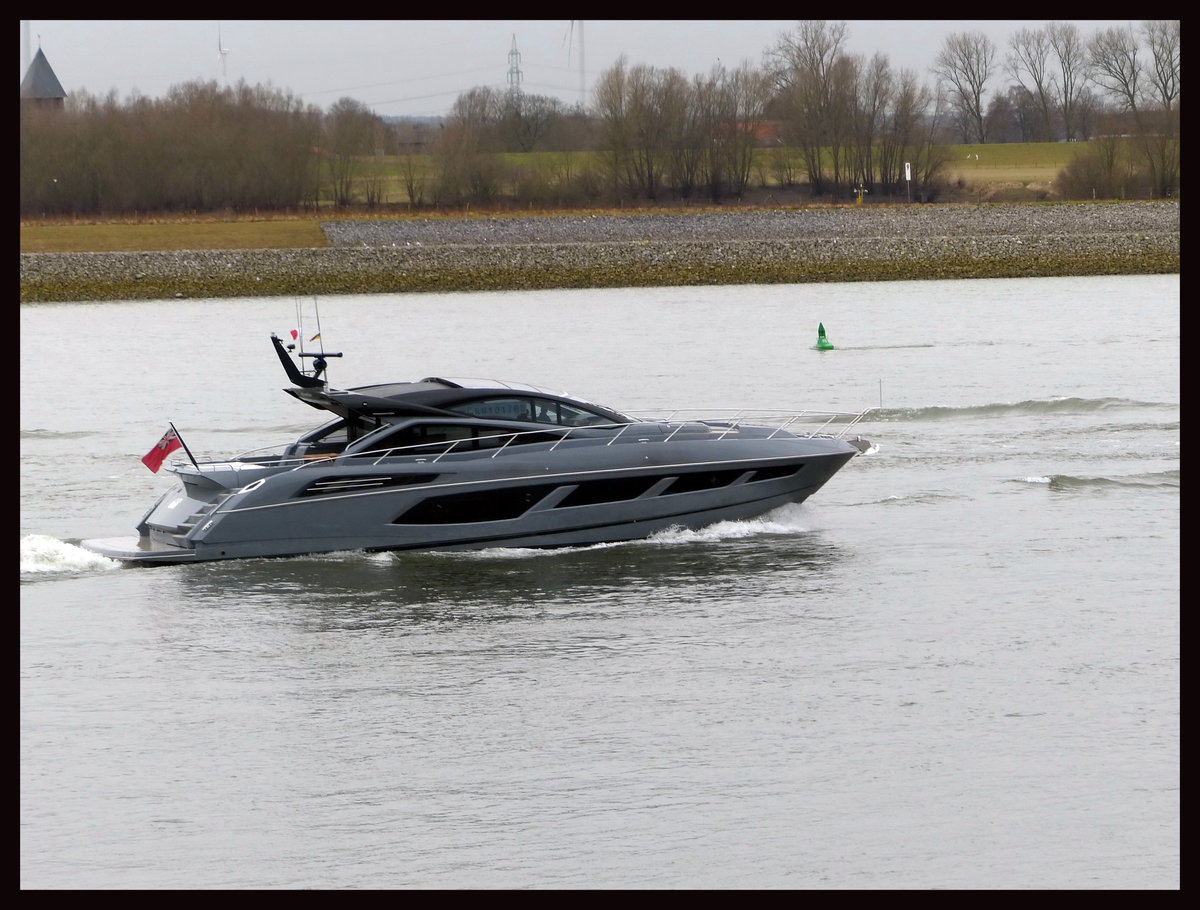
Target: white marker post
<point>908,178</point>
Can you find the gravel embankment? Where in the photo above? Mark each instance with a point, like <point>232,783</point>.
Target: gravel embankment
<point>868,243</point>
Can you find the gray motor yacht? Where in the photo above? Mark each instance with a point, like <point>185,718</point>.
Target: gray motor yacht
<point>467,464</point>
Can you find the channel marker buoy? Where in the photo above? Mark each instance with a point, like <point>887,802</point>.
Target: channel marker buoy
<point>823,343</point>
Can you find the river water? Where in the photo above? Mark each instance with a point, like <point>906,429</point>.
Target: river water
<point>955,667</point>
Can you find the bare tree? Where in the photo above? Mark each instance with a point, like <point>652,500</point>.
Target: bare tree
<point>467,167</point>
<point>682,118</point>
<point>1147,92</point>
<point>853,121</point>
<point>733,102</point>
<point>1071,55</point>
<point>412,144</point>
<point>412,174</point>
<point>611,103</point>
<point>747,92</point>
<point>1113,55</point>
<point>351,133</point>
<point>805,68</point>
<point>526,120</point>
<point>1162,38</point>
<point>873,95</point>
<point>651,132</point>
<point>1162,90</point>
<point>964,66</point>
<point>630,104</point>
<point>909,136</point>
<point>1028,62</point>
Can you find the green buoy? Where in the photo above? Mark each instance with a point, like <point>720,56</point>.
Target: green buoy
<point>823,343</point>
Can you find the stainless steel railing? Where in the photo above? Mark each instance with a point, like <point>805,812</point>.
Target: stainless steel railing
<point>719,424</point>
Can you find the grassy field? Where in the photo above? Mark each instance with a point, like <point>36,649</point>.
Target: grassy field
<point>1019,162</point>
<point>300,233</point>
<point>1018,165</point>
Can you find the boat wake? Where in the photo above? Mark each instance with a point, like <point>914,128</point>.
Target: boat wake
<point>885,347</point>
<point>1033,407</point>
<point>920,498</point>
<point>1071,483</point>
<point>43,555</point>
<point>789,519</point>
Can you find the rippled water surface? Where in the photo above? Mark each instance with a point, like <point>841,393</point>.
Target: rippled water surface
<point>957,666</point>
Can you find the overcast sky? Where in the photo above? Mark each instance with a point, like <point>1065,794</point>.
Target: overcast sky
<point>418,67</point>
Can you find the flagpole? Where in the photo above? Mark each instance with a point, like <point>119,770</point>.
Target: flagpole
<point>185,446</point>
<point>319,338</point>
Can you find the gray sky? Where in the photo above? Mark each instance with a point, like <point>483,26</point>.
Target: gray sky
<point>418,67</point>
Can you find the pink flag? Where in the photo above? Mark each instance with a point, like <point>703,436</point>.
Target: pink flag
<point>164,447</point>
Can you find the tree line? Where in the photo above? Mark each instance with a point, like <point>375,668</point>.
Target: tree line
<point>1119,83</point>
<point>812,117</point>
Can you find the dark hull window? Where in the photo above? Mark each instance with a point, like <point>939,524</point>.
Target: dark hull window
<point>594,492</point>
<point>465,508</point>
<point>783,470</point>
<point>501,505</point>
<point>703,480</point>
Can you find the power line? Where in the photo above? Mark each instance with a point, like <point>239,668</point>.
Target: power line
<point>357,88</point>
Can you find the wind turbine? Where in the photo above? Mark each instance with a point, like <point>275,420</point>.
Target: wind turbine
<point>222,53</point>
<point>570,41</point>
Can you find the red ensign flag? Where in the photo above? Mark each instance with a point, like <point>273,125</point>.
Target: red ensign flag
<point>164,447</point>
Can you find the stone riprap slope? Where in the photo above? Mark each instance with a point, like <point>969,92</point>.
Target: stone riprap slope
<point>866,243</point>
<point>858,222</point>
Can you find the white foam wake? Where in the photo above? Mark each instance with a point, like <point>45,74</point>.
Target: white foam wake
<point>41,554</point>
<point>784,520</point>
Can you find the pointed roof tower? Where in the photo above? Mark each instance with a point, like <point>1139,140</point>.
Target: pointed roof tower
<point>40,85</point>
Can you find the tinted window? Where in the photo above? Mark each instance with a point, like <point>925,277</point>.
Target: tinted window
<point>570,415</point>
<point>509,408</point>
<point>541,410</point>
<point>331,433</point>
<point>423,439</point>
